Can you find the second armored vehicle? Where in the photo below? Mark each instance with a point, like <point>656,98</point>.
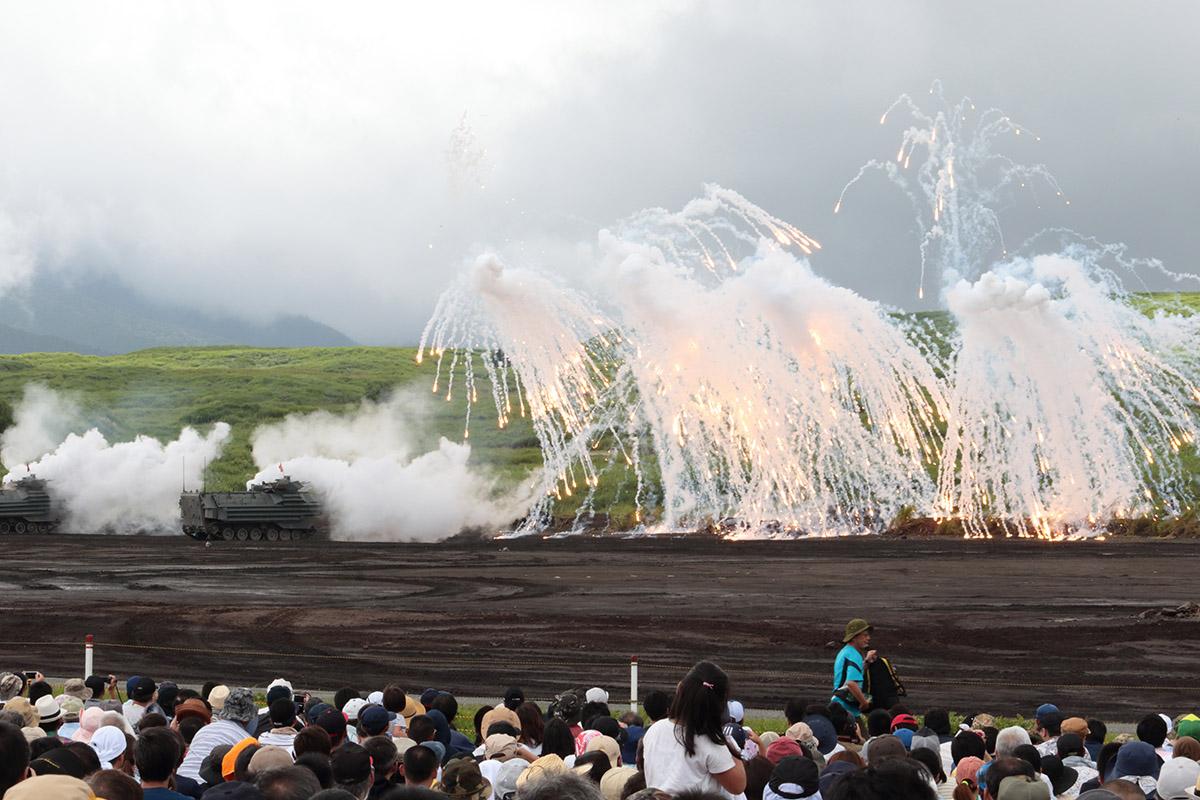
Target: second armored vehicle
<point>278,510</point>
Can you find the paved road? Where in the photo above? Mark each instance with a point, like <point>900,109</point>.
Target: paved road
<point>998,626</point>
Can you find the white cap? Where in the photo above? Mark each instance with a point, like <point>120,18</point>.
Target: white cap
<point>280,682</point>
<point>353,706</point>
<point>375,698</point>
<point>736,711</point>
<point>1169,721</point>
<point>596,695</point>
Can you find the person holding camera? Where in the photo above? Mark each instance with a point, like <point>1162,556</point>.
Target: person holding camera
<point>850,667</point>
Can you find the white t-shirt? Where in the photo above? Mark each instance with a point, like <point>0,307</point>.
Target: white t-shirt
<point>670,768</point>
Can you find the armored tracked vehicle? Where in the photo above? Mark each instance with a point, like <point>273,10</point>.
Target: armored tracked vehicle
<point>278,510</point>
<point>26,507</point>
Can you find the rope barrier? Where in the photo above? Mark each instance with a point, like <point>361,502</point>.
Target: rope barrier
<point>581,660</point>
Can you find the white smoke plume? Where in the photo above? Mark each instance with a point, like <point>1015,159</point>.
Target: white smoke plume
<point>361,463</point>
<point>40,421</point>
<point>123,487</point>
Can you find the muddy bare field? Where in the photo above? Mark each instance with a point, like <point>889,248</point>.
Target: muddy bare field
<point>974,625</point>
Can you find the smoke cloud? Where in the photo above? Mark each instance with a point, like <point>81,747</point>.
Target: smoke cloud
<point>123,487</point>
<point>374,488</point>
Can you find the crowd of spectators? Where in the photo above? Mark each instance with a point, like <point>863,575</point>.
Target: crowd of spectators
<point>141,738</point>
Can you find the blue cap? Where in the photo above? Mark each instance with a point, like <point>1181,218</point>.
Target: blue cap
<point>905,735</point>
<point>1044,709</point>
<point>132,682</point>
<point>374,719</point>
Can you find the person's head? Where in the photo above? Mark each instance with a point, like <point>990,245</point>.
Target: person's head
<point>282,712</point>
<point>596,763</point>
<point>189,727</point>
<point>113,784</point>
<point>1136,759</point>
<point>656,704</point>
<point>312,739</point>
<point>241,762</point>
<point>1028,752</point>
<point>447,704</point>
<point>394,698</point>
<point>532,723</point>
<point>11,685</point>
<point>1005,767</point>
<point>938,721</point>
<point>884,748</point>
<point>42,745</point>
<point>593,709</point>
<point>238,707</point>
<point>287,783</point>
<point>420,765</point>
<point>343,696</point>
<point>480,713</point>
<point>1125,790</point>
<point>352,769</point>
<point>1050,725</point>
<point>1009,740</point>
<point>1070,744</point>
<point>931,761</point>
<point>557,739</point>
<point>334,723</point>
<point>1097,731</point>
<point>858,633</point>
<point>14,756</point>
<point>560,786</point>
<point>421,728</point>
<point>157,752</point>
<point>879,722</point>
<point>39,689</point>
<point>318,765</point>
<point>700,703</point>
<point>385,757</point>
<point>1152,729</point>
<point>966,743</point>
<point>793,710</point>
<point>1187,747</point>
<point>1177,776</point>
<point>1106,757</point>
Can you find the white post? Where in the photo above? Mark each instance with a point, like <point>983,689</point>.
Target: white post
<point>88,645</point>
<point>633,693</point>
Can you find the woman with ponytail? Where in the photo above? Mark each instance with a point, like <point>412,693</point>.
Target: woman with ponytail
<point>687,750</point>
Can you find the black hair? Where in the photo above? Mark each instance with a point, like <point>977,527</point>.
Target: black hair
<point>843,723</point>
<point>420,763</point>
<point>597,762</point>
<point>394,699</point>
<point>593,709</point>
<point>1106,757</point>
<point>557,739</point>
<point>91,761</point>
<point>114,784</point>
<point>931,761</point>
<point>1027,752</point>
<point>700,704</point>
<point>312,739</point>
<point>816,710</point>
<point>501,727</point>
<point>282,712</point>
<point>478,720</point>
<point>656,705</point>
<point>288,783</point>
<point>343,696</point>
<point>1052,723</point>
<point>241,765</point>
<point>938,721</point>
<point>794,709</point>
<point>1152,729</point>
<point>421,728</point>
<point>1097,731</point>
<point>188,727</point>
<point>609,727</point>
<point>383,753</point>
<point>1070,744</point>
<point>896,777</point>
<point>879,722</point>
<point>1006,767</point>
<point>446,704</point>
<point>156,753</point>
<point>187,694</point>
<point>207,688</point>
<point>965,744</point>
<point>532,723</point>
<point>39,689</point>
<point>42,745</point>
<point>990,733</point>
<point>14,756</point>
<point>318,764</point>
<point>151,720</point>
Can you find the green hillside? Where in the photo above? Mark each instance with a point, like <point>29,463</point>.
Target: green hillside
<point>158,391</point>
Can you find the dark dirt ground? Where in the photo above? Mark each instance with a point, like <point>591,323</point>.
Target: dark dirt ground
<point>973,625</point>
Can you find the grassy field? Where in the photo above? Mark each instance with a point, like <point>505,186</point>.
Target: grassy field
<point>158,391</point>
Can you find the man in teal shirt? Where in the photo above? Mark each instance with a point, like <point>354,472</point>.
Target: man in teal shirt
<point>850,667</point>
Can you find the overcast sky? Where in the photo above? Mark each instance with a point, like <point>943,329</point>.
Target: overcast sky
<point>296,157</point>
